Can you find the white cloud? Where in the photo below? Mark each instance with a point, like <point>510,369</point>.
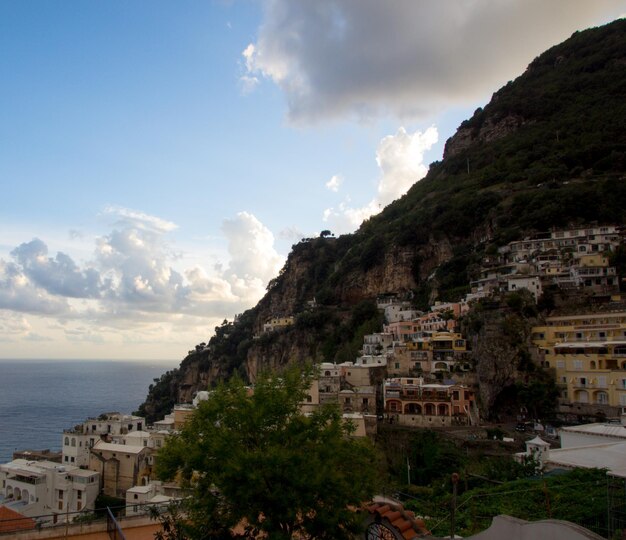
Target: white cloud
<point>137,219</point>
<point>400,158</point>
<point>334,183</point>
<point>18,293</point>
<point>253,259</point>
<point>59,275</point>
<point>135,283</point>
<point>408,58</point>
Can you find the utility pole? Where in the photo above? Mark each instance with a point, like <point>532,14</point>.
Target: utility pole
<point>408,471</point>
<point>455,481</point>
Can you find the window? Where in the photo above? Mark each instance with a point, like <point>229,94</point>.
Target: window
<point>66,459</point>
<point>135,496</point>
<point>60,505</point>
<point>72,459</point>
<point>67,441</point>
<point>158,442</point>
<point>578,365</point>
<point>61,494</point>
<point>79,495</point>
<point>73,441</point>
<point>397,364</point>
<point>560,364</point>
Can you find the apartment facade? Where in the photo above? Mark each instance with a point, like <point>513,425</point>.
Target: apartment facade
<point>408,401</point>
<point>587,353</point>
<point>36,488</point>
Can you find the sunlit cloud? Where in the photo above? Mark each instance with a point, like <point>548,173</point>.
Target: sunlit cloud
<point>400,159</point>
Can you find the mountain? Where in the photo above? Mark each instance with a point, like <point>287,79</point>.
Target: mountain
<point>548,150</point>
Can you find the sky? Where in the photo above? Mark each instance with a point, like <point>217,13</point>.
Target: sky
<point>158,159</point>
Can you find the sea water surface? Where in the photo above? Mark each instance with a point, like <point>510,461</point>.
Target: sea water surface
<point>41,398</point>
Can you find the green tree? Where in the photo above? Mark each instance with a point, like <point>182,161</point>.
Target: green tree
<point>255,458</point>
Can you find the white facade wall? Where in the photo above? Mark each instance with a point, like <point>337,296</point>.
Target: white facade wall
<point>43,487</point>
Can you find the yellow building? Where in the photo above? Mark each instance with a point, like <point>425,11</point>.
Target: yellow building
<point>588,355</point>
<point>277,322</point>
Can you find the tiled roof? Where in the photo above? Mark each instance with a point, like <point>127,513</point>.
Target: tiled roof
<point>10,520</point>
<point>404,521</point>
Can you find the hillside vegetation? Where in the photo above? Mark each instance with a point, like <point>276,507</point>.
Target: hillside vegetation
<point>549,150</point>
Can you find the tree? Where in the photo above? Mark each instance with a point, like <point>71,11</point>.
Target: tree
<point>254,458</point>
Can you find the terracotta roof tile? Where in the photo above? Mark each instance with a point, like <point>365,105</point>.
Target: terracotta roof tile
<point>10,520</point>
<point>402,520</point>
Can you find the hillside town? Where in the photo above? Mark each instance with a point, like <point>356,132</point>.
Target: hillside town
<point>416,373</point>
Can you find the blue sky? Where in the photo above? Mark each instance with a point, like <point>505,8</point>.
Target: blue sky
<point>158,159</point>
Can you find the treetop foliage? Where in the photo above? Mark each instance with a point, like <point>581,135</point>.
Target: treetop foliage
<point>254,458</point>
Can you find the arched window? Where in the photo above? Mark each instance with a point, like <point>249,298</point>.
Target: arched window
<point>602,398</point>
<point>73,441</point>
<point>412,408</point>
<point>67,441</point>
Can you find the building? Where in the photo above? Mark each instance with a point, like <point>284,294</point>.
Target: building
<point>276,323</point>
<point>591,434</point>
<point>76,442</point>
<point>38,488</point>
<point>121,466</point>
<point>531,283</point>
<point>408,401</point>
<point>587,354</point>
<point>141,499</point>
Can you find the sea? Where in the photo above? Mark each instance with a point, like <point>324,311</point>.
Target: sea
<point>41,398</point>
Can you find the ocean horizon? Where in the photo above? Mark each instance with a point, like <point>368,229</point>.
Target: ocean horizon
<point>41,398</point>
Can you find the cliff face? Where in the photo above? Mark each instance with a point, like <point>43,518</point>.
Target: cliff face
<point>549,150</point>
<point>491,129</point>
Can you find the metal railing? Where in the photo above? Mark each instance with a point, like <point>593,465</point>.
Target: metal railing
<point>113,527</point>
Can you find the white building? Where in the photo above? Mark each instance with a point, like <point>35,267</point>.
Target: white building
<point>76,442</point>
<point>140,499</point>
<point>532,283</point>
<point>36,488</point>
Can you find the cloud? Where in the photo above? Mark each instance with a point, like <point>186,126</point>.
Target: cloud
<point>139,220</point>
<point>400,158</point>
<point>334,183</point>
<point>135,281</point>
<point>253,259</point>
<point>339,57</point>
<point>13,324</point>
<point>59,275</point>
<point>18,293</point>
